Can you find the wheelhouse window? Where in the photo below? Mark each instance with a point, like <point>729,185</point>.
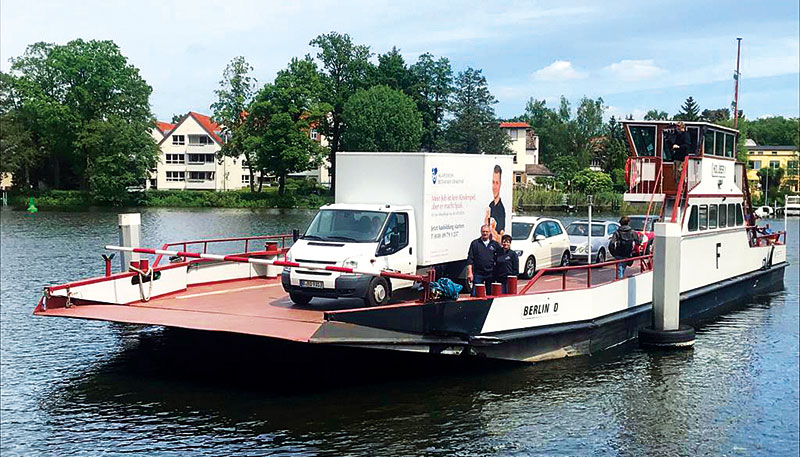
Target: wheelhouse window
<point>731,214</point>
<point>644,139</point>
<point>693,219</point>
<point>708,143</point>
<point>723,216</point>
<point>730,141</point>
<point>739,214</point>
<point>719,144</point>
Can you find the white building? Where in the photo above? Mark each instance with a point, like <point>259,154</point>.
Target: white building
<point>525,146</point>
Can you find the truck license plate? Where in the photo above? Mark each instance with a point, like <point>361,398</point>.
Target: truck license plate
<point>311,284</point>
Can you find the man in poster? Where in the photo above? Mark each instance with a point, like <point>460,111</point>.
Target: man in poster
<point>496,213</point>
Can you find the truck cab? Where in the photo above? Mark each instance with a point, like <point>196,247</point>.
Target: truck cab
<point>364,237</point>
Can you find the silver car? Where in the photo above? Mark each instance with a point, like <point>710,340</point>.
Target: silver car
<point>579,239</point>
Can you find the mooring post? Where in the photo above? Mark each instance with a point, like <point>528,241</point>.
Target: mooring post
<point>666,330</point>
<point>130,235</point>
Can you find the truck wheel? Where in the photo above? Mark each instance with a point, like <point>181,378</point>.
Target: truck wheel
<point>377,292</point>
<point>299,299</point>
<point>530,268</point>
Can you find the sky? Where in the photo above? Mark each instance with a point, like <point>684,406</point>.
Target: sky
<point>636,55</point>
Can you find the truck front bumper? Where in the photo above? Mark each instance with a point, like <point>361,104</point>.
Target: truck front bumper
<point>345,286</point>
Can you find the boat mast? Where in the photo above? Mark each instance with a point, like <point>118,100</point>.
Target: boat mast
<point>736,84</point>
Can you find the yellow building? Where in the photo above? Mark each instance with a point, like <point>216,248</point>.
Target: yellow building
<point>785,157</point>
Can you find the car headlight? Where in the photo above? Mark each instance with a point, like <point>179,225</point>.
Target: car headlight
<point>519,253</point>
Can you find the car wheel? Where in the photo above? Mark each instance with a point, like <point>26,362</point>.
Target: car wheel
<point>565,259</point>
<point>601,256</point>
<point>530,268</point>
<point>299,299</point>
<point>377,292</point>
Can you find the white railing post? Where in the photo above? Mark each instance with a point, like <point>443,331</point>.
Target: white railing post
<point>130,235</point>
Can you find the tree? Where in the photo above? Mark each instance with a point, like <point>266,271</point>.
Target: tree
<point>345,67</point>
<point>381,119</point>
<point>433,85</point>
<point>715,115</point>
<point>592,182</point>
<point>229,111</point>
<point>177,118</point>
<point>613,149</point>
<point>564,167</point>
<point>774,131</point>
<point>278,124</point>
<point>474,128</point>
<point>68,93</point>
<point>392,71</point>
<point>656,115</point>
<point>588,129</point>
<point>18,151</point>
<point>689,111</point>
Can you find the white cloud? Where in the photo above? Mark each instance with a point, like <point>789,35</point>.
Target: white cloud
<point>560,70</point>
<point>634,70</point>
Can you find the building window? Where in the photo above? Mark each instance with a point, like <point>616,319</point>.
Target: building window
<point>175,158</point>
<point>199,140</point>
<point>514,134</point>
<point>201,176</point>
<point>178,139</point>
<point>176,176</point>
<point>774,164</point>
<point>518,177</point>
<point>754,164</point>
<point>774,152</point>
<point>314,134</point>
<point>245,179</point>
<point>201,158</point>
<point>792,168</point>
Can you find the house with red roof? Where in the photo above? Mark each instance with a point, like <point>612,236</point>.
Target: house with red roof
<point>525,146</point>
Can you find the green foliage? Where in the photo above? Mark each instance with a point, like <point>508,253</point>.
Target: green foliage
<point>276,131</point>
<point>381,119</point>
<point>433,85</point>
<point>345,69</point>
<point>233,98</point>
<point>769,177</point>
<point>656,115</point>
<point>774,131</point>
<point>564,167</point>
<point>64,95</point>
<point>715,115</point>
<point>18,151</point>
<point>591,182</point>
<point>392,71</point>
<point>689,111</point>
<point>474,129</point>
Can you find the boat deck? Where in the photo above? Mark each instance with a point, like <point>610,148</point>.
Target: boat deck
<point>260,306</point>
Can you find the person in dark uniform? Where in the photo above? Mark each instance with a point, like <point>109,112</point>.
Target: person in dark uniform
<point>507,263</point>
<point>481,259</point>
<point>680,149</point>
<point>496,214</point>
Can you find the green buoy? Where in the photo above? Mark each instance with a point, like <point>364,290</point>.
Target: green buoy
<point>32,206</point>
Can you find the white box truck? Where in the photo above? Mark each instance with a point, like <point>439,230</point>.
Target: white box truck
<point>403,212</point>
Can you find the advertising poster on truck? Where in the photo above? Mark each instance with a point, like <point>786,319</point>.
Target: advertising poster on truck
<point>460,197</point>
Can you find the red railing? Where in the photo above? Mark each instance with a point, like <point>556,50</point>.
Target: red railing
<point>759,238</point>
<point>644,175</point>
<point>281,239</point>
<point>645,265</point>
<point>679,192</point>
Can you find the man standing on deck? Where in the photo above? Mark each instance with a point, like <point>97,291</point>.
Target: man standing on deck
<point>622,244</point>
<point>481,258</point>
<point>680,149</point>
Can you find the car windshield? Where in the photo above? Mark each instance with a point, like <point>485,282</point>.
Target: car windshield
<point>579,229</point>
<point>638,224</point>
<point>520,230</point>
<point>346,225</point>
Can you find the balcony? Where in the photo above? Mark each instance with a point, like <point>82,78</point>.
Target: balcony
<point>200,184</point>
<point>201,166</point>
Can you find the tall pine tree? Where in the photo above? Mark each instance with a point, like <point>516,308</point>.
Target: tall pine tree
<point>475,128</point>
<point>689,111</point>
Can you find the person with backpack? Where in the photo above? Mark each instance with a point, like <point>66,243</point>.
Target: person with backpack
<point>622,245</point>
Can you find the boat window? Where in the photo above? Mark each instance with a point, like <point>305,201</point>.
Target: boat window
<point>694,133</point>
<point>553,229</point>
<point>693,219</point>
<point>739,214</point>
<point>644,139</point>
<point>712,216</point>
<point>731,214</point>
<point>730,140</point>
<point>723,216</point>
<point>708,143</point>
<point>540,230</point>
<point>719,144</point>
<point>668,140</point>
<point>703,217</point>
<point>520,230</point>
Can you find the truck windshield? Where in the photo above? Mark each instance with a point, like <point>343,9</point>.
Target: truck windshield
<point>346,225</point>
<point>520,230</point>
<point>578,229</point>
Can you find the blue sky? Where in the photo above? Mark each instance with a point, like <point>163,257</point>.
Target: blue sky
<point>636,55</point>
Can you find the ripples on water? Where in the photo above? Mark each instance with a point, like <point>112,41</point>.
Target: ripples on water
<point>73,387</point>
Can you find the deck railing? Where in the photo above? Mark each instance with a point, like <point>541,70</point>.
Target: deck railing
<point>645,264</point>
<point>281,243</point>
<point>643,175</point>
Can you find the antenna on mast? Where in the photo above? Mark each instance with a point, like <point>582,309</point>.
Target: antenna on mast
<point>736,86</point>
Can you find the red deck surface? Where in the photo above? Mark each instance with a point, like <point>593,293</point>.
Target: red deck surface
<point>261,307</point>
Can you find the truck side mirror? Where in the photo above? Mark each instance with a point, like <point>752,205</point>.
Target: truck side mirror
<point>295,235</point>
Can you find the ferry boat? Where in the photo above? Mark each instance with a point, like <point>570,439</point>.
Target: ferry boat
<point>560,312</point>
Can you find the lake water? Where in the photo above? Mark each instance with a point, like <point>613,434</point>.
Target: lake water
<point>72,387</point>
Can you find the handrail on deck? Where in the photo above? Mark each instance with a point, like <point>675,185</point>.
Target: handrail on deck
<point>282,238</point>
<point>635,169</point>
<point>645,265</point>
